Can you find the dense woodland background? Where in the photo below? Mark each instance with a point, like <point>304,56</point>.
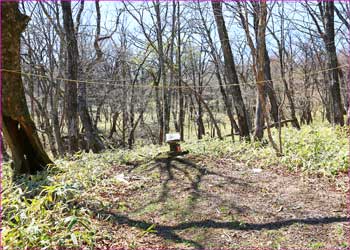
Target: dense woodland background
<point>99,75</point>
<point>258,91</point>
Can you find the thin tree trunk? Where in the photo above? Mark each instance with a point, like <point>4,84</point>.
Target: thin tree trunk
<point>199,120</point>
<point>210,113</point>
<point>259,116</point>
<point>344,93</point>
<point>55,120</point>
<point>181,95</point>
<point>166,107</point>
<point>269,88</point>
<point>261,49</point>
<point>131,138</point>
<point>114,125</point>
<point>280,44</point>
<point>172,66</point>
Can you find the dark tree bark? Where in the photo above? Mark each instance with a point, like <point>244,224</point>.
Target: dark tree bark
<point>199,98</point>
<point>230,70</point>
<point>71,88</point>
<point>114,125</point>
<point>93,140</point>
<point>181,95</point>
<point>269,88</point>
<point>332,62</point>
<point>131,138</point>
<point>226,98</point>
<point>281,52</point>
<point>170,59</point>
<point>261,56</point>
<point>161,57</point>
<point>125,97</point>
<point>259,118</point>
<point>4,155</point>
<point>19,130</point>
<point>344,93</point>
<point>199,120</point>
<point>328,35</point>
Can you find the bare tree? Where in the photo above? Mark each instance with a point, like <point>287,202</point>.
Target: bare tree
<point>269,90</point>
<point>282,53</point>
<point>72,73</point>
<point>93,140</point>
<point>261,50</point>
<point>230,70</point>
<point>326,17</point>
<point>223,89</point>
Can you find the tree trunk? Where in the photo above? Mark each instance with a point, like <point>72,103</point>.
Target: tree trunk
<point>71,93</point>
<point>93,140</point>
<point>261,56</point>
<point>226,98</point>
<point>259,116</point>
<point>200,99</point>
<point>181,95</point>
<point>55,120</point>
<point>125,98</point>
<point>332,63</point>
<point>98,114</point>
<point>166,104</point>
<point>230,70</point>
<point>19,130</point>
<point>172,82</point>
<point>199,121</point>
<point>269,88</point>
<point>280,44</point>
<point>114,125</point>
<point>55,103</point>
<point>344,93</point>
<point>228,102</point>
<point>4,155</point>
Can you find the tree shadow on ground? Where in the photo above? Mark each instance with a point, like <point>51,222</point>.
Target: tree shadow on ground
<point>186,171</point>
<point>169,232</point>
<point>167,166</point>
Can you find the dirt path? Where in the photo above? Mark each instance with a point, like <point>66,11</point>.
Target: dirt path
<point>188,202</point>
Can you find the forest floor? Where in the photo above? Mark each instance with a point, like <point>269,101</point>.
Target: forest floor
<point>222,194</point>
<point>207,202</point>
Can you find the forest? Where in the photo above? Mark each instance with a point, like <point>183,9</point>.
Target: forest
<point>175,124</point>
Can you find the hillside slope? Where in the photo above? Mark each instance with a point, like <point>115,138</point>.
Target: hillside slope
<point>221,194</point>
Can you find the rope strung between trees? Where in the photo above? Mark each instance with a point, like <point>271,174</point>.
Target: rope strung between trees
<point>108,82</point>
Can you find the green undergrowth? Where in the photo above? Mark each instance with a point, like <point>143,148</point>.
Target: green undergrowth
<point>45,210</point>
<point>315,149</point>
